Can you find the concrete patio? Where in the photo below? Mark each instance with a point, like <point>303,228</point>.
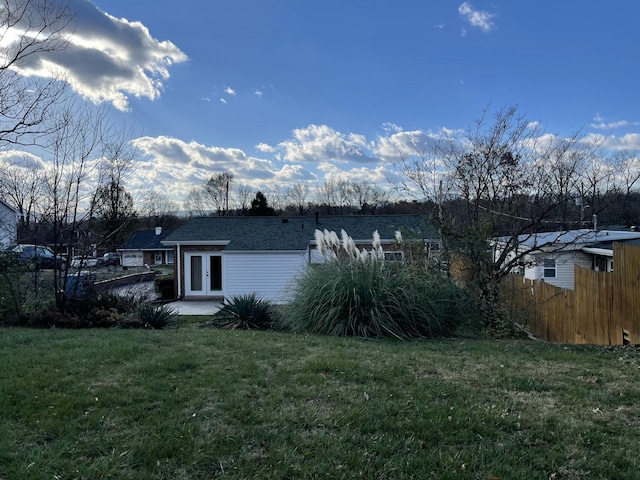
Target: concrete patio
<point>195,307</point>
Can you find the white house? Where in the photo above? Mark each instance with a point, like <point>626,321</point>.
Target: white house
<point>8,224</point>
<point>220,257</point>
<point>551,256</point>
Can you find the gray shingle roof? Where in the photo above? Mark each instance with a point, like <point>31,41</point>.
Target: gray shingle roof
<point>571,237</point>
<point>145,240</point>
<point>295,233</point>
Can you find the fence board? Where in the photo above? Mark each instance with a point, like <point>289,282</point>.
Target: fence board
<point>603,309</point>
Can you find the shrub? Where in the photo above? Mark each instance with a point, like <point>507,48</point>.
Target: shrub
<point>164,286</point>
<point>156,316</point>
<point>248,311</point>
<point>361,294</point>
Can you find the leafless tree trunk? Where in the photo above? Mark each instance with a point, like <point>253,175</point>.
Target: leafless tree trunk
<point>76,151</point>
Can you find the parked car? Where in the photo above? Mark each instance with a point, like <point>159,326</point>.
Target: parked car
<point>110,259</point>
<point>38,256</point>
<point>84,262</point>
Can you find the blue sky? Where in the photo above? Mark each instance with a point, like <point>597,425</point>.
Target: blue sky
<point>281,92</point>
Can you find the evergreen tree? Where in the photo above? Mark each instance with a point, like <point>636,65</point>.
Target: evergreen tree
<point>260,206</point>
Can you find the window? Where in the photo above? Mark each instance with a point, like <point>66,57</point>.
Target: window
<point>196,273</point>
<point>393,256</point>
<point>215,271</point>
<point>549,268</point>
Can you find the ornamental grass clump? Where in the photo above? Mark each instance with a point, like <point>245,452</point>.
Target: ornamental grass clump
<point>357,292</point>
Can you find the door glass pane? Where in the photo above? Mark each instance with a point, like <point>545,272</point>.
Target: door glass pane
<point>196,273</point>
<point>216,273</point>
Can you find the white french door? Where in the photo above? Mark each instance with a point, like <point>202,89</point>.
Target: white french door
<point>203,274</point>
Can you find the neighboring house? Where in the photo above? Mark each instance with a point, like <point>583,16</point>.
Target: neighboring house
<point>602,252</point>
<point>219,257</point>
<point>9,217</point>
<point>551,256</point>
<point>145,247</point>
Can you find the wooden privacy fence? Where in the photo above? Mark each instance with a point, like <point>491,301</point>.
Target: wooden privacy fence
<point>604,308</point>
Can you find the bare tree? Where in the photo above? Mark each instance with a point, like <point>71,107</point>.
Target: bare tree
<point>111,203</point>
<point>22,180</point>
<point>336,195</point>
<point>367,197</point>
<point>29,28</point>
<point>501,177</point>
<point>420,175</point>
<point>159,207</point>
<point>276,197</point>
<point>626,164</point>
<point>243,194</point>
<point>196,203</point>
<point>627,167</point>
<point>217,191</point>
<point>297,196</point>
<point>76,149</point>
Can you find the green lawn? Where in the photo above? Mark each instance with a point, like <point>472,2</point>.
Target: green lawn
<point>196,403</point>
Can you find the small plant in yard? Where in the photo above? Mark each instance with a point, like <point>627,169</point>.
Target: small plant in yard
<point>163,285</point>
<point>357,292</point>
<point>248,311</point>
<point>156,316</point>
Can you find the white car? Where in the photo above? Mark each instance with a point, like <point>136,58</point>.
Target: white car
<point>84,262</point>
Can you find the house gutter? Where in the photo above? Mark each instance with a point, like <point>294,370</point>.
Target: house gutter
<point>179,271</point>
<point>604,252</point>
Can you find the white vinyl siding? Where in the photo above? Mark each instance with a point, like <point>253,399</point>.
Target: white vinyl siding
<point>8,226</point>
<point>564,270</point>
<point>268,274</point>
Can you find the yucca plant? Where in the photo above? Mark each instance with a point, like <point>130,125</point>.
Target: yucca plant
<point>248,311</point>
<point>156,316</point>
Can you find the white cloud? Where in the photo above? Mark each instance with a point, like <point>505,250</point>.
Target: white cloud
<point>108,59</point>
<point>630,141</point>
<point>229,91</point>
<point>611,125</point>
<point>223,100</point>
<point>476,18</point>
<point>181,166</point>
<point>404,145</point>
<point>318,143</point>
<point>264,147</point>
<point>22,159</point>
<point>258,93</point>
